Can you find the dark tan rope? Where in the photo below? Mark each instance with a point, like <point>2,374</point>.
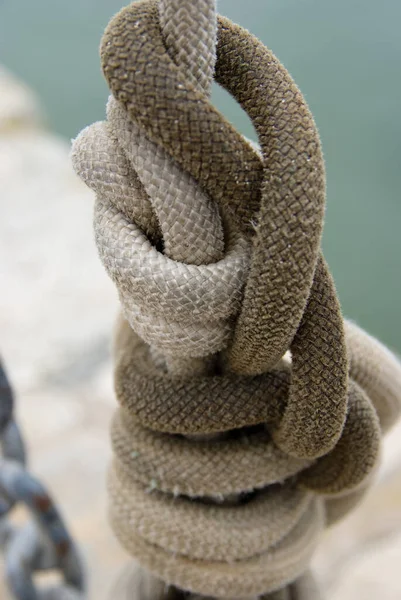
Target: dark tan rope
<point>231,323</point>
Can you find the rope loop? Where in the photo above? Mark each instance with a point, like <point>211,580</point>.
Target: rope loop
<point>248,416</point>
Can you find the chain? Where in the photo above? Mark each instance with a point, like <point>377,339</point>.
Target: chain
<point>43,543</point>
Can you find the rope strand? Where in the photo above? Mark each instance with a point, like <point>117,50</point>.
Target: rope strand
<point>232,333</point>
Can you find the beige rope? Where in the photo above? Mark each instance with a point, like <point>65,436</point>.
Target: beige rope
<point>215,251</point>
<point>146,587</point>
<point>218,153</point>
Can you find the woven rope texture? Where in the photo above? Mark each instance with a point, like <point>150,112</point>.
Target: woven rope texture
<point>250,412</point>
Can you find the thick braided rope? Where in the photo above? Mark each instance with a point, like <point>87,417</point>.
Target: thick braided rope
<point>161,141</point>
<point>142,585</point>
<point>230,170</point>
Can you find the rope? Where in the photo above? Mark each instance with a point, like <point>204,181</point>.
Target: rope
<point>230,453</point>
<point>142,585</point>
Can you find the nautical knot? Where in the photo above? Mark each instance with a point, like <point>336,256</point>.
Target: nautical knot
<point>231,320</point>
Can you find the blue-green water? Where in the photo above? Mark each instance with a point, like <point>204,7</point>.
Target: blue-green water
<point>345,56</point>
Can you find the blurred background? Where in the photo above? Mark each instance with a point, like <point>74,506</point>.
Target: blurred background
<point>344,55</point>
<point>57,306</point>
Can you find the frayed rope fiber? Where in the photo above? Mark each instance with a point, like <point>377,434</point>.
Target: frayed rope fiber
<point>250,412</point>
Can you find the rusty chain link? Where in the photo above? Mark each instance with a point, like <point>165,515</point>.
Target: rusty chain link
<point>43,543</point>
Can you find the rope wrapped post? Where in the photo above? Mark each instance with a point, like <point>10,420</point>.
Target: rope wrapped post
<point>250,413</point>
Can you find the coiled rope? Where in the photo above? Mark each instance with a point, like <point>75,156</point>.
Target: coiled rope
<point>215,250</point>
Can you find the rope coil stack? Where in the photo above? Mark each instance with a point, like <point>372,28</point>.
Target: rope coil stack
<point>250,413</point>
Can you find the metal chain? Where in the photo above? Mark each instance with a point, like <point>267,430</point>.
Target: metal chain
<point>43,544</point>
